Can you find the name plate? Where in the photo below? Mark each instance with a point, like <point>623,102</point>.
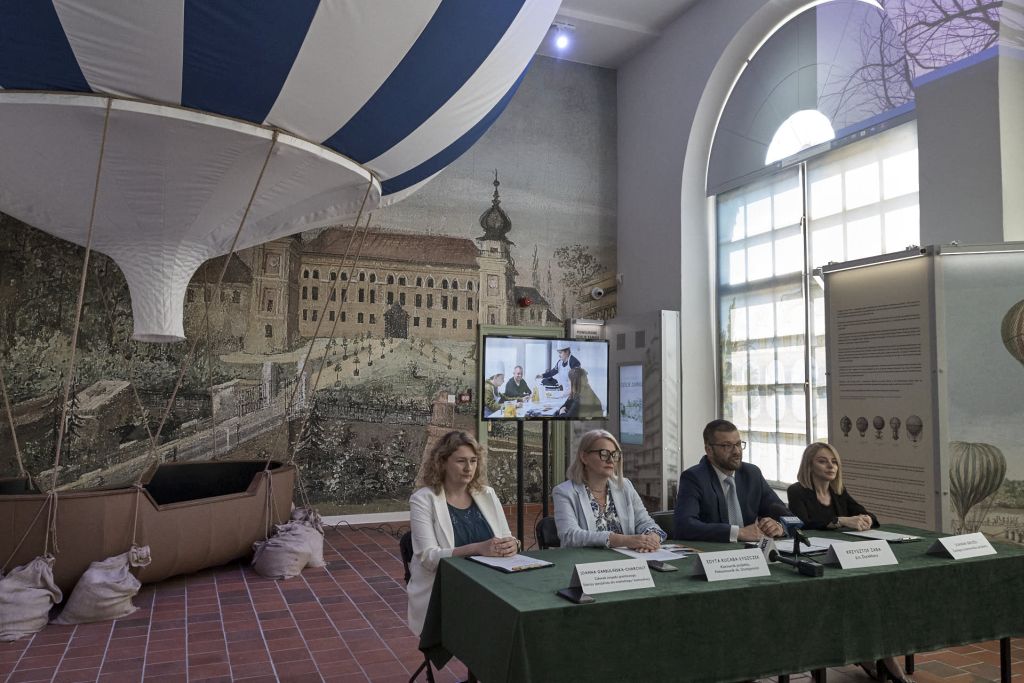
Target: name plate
<point>964,545</point>
<point>724,565</point>
<point>612,576</point>
<point>860,554</point>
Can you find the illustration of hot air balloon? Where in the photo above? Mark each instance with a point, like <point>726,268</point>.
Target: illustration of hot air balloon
<point>1012,331</point>
<point>845,424</point>
<point>914,425</point>
<point>895,424</point>
<point>862,425</point>
<point>976,470</point>
<point>879,424</point>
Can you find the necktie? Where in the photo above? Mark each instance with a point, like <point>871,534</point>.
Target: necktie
<point>732,502</point>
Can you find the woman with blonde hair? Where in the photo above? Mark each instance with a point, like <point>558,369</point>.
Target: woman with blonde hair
<point>819,498</point>
<point>597,506</point>
<point>453,514</point>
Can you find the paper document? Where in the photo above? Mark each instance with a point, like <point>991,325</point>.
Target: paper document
<point>516,563</point>
<point>884,536</point>
<point>663,555</point>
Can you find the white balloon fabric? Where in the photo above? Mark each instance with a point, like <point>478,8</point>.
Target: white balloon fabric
<point>380,95</point>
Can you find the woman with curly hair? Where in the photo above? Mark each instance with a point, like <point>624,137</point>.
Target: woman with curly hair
<point>453,514</point>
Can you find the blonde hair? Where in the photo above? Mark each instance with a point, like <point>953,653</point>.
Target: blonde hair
<point>432,468</point>
<point>803,475</point>
<point>577,469</point>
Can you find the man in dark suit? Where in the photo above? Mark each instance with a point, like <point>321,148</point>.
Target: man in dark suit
<point>722,498</point>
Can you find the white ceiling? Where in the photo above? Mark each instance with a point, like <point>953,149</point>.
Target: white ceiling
<point>609,32</point>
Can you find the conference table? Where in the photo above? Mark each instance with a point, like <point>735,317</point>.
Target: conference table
<point>512,627</point>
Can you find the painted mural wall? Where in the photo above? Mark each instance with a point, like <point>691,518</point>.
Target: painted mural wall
<point>341,348</point>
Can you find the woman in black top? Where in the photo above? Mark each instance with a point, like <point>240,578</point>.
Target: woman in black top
<point>582,401</point>
<point>819,498</point>
<point>821,501</point>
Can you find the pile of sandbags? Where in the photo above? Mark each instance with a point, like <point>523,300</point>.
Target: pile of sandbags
<point>295,545</point>
<point>27,594</point>
<point>105,590</point>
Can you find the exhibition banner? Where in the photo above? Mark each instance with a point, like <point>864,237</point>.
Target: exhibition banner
<point>881,389</point>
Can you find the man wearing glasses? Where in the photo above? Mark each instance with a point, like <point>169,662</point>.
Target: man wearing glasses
<point>722,498</point>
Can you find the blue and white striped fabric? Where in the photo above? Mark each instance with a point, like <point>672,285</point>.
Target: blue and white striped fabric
<point>402,87</point>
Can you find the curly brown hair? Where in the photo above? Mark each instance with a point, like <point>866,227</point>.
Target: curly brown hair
<point>432,468</point>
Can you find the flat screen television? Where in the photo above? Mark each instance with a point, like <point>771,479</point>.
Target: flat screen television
<point>631,404</point>
<point>528,378</point>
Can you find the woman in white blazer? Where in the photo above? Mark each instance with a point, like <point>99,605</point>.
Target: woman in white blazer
<point>454,513</point>
<point>597,506</point>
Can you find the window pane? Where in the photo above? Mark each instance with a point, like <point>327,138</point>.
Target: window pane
<point>864,238</point>
<point>826,196</point>
<point>902,228</point>
<point>861,185</point>
<point>759,214</point>
<point>789,254</point>
<point>899,174</point>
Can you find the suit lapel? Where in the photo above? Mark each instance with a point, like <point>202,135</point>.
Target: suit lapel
<point>483,501</point>
<point>581,494</point>
<point>443,518</point>
<point>622,511</point>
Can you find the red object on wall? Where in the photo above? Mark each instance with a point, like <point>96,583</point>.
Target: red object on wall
<point>525,301</point>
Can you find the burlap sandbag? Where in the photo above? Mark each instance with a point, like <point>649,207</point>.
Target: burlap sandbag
<point>307,523</point>
<point>104,592</point>
<point>282,556</point>
<point>26,596</point>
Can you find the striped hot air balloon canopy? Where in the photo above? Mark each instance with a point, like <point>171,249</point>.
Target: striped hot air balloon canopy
<point>162,123</point>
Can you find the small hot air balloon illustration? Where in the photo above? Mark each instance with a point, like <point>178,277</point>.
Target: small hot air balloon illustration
<point>1012,331</point>
<point>879,424</point>
<point>846,425</point>
<point>862,425</point>
<point>895,424</point>
<point>976,470</point>
<point>914,425</point>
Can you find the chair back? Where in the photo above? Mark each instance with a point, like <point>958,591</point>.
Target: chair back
<point>405,549</point>
<point>547,533</point>
<point>666,520</point>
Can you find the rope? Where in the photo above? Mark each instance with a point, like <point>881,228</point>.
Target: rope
<point>28,530</point>
<point>51,526</point>
<point>14,436</point>
<point>223,272</point>
<point>81,301</point>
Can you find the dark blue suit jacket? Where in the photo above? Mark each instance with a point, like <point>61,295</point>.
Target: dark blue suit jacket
<point>701,512</point>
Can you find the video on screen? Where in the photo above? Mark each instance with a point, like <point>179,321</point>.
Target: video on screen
<point>526,378</point>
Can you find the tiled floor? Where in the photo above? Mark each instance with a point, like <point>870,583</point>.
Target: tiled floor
<point>343,623</point>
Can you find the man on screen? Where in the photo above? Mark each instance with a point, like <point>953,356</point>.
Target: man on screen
<point>559,374</point>
<point>517,386</point>
<point>722,498</point>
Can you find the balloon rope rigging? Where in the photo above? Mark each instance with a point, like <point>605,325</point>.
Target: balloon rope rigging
<point>223,271</point>
<point>78,316</point>
<point>10,421</point>
<point>344,296</point>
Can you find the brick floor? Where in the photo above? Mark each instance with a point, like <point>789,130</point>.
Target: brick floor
<point>342,623</point>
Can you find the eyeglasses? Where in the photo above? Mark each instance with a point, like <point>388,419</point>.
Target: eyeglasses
<point>742,445</point>
<point>607,455</point>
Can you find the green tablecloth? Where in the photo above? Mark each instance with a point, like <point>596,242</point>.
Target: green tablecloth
<point>512,627</point>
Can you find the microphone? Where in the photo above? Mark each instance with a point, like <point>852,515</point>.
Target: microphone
<point>803,566</point>
<point>792,526</point>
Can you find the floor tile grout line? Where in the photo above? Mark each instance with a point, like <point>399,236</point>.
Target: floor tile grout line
<point>220,613</point>
<point>106,649</point>
<point>188,676</point>
<point>22,655</point>
<point>305,643</point>
<point>60,661</point>
<point>149,631</point>
<point>259,625</point>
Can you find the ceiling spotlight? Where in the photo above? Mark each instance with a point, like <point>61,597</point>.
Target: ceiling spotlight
<point>563,34</point>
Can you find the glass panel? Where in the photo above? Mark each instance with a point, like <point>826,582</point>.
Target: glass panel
<point>864,237</point>
<point>826,196</point>
<point>789,254</point>
<point>759,214</point>
<point>902,228</point>
<point>759,261</point>
<point>899,174</point>
<point>861,185</point>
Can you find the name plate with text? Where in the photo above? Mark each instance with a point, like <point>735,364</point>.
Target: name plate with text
<point>724,565</point>
<point>962,546</point>
<point>860,554</point>
<point>612,576</point>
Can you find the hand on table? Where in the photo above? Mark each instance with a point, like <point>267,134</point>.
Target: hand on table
<point>498,547</point>
<point>751,532</point>
<point>858,522</point>
<point>770,528</point>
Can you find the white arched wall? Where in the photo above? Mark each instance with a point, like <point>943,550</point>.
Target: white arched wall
<point>670,97</point>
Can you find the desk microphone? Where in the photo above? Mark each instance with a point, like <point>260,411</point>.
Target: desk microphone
<point>792,526</point>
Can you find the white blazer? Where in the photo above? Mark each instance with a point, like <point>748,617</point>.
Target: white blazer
<point>574,517</point>
<point>433,539</point>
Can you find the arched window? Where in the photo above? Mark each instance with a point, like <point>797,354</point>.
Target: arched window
<point>469,286</point>
<point>316,274</point>
<point>455,284</point>
<point>362,277</point>
<point>444,284</point>
<point>430,282</point>
<point>401,280</point>
<point>373,277</point>
<point>333,275</point>
<point>419,282</point>
<point>391,279</point>
<point>305,274</point>
<point>344,276</point>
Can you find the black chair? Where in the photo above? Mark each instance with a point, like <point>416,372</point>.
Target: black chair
<point>666,520</point>
<point>405,550</point>
<point>547,533</point>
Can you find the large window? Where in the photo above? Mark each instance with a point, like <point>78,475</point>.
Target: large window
<point>856,201</point>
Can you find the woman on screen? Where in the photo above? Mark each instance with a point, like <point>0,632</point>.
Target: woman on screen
<point>821,501</point>
<point>453,513</point>
<point>819,498</point>
<point>599,507</point>
<point>582,401</point>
